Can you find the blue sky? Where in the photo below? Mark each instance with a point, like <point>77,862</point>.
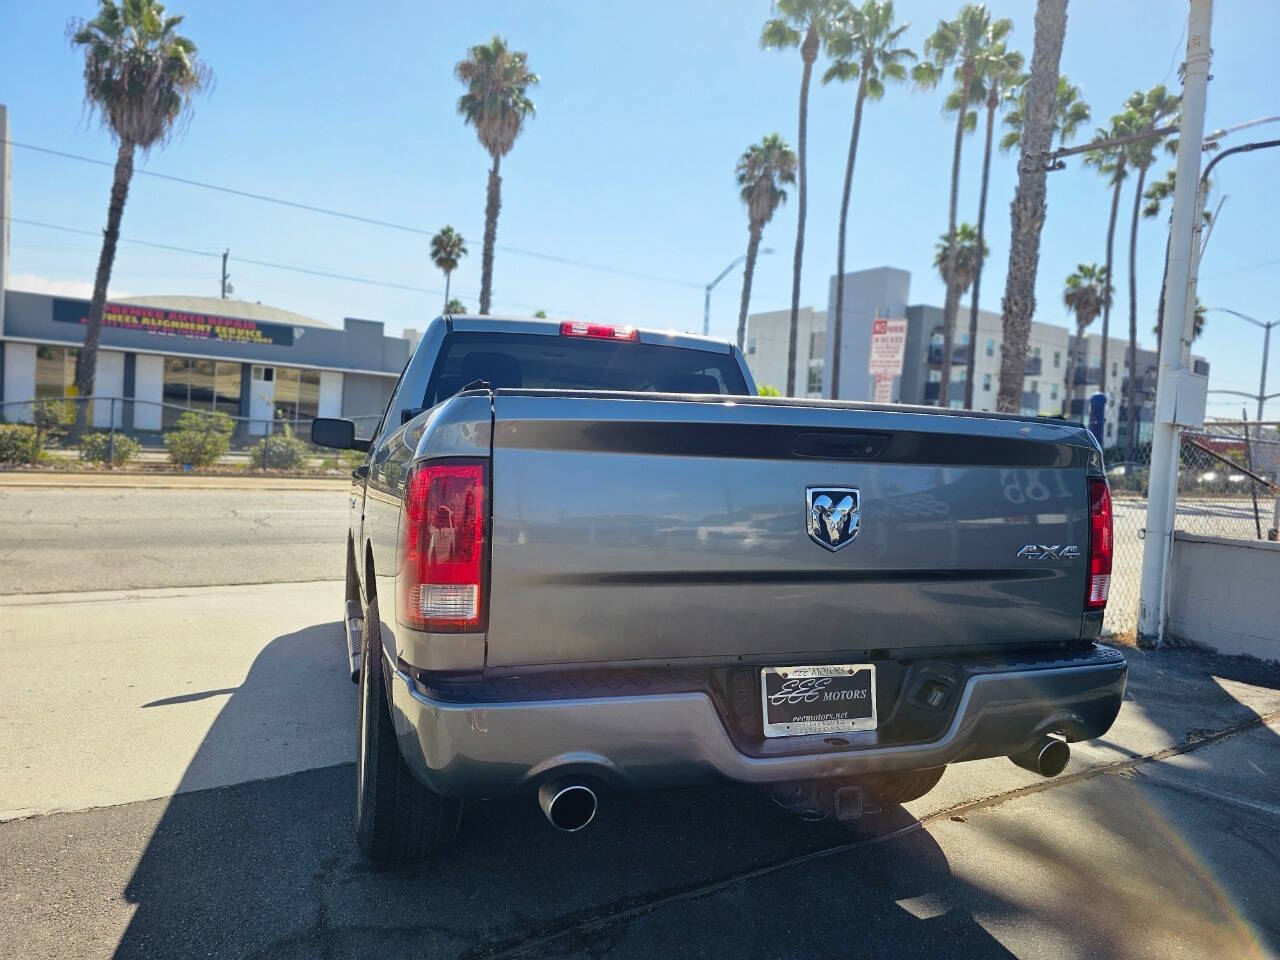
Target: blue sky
<point>642,113</point>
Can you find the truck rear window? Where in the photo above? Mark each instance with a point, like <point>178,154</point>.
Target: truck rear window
<point>535,361</point>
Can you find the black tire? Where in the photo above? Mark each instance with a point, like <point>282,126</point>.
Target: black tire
<point>398,819</point>
<point>902,787</point>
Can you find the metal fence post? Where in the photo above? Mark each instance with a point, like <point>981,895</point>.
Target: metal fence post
<point>111,439</point>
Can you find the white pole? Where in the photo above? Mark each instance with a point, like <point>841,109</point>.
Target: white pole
<point>1179,306</point>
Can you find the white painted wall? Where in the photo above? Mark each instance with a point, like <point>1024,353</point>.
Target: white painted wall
<point>148,386</point>
<point>1223,595</point>
<point>108,382</point>
<point>330,394</point>
<point>19,378</point>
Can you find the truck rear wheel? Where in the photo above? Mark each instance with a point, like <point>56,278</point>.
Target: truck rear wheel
<point>398,819</point>
<point>904,786</point>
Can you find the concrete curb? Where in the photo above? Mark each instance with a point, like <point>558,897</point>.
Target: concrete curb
<point>95,481</point>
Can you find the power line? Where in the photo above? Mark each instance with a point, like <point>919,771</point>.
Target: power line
<point>360,218</point>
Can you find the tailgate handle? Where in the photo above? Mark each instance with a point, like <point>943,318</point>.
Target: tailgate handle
<point>840,445</point>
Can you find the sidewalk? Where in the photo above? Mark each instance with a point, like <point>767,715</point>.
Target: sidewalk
<point>173,481</point>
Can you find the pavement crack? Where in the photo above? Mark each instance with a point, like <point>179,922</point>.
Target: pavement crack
<point>585,926</point>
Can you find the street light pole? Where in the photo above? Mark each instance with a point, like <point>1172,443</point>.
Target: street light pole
<point>1178,319</point>
<point>1266,349</point>
<point>706,301</point>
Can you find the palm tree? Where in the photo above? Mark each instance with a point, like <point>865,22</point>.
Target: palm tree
<point>497,104</point>
<point>447,249</point>
<point>1151,110</point>
<point>1085,294</point>
<point>454,308</point>
<point>960,43</point>
<point>1028,210</point>
<point>863,45</point>
<point>999,76</point>
<point>1070,113</point>
<point>805,24</point>
<point>762,168</point>
<point>140,75</point>
<point>1113,162</point>
<point>957,262</point>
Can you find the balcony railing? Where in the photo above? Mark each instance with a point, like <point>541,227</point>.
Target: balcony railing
<point>959,353</point>
<point>1034,366</point>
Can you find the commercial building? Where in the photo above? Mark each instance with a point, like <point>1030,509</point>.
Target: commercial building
<point>884,292</point>
<point>160,356</point>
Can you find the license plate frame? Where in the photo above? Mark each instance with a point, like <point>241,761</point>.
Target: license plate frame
<point>835,716</point>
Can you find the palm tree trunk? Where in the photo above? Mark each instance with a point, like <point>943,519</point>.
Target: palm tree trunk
<point>748,271</point>
<point>447,274</point>
<point>493,203</point>
<point>1028,209</point>
<point>977,267</point>
<point>1132,393</point>
<point>1160,309</point>
<point>953,295</point>
<point>837,323</point>
<point>1069,381</point>
<point>808,53</point>
<point>87,358</point>
<point>1111,241</point>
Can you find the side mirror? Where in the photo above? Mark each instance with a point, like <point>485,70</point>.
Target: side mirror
<point>336,433</point>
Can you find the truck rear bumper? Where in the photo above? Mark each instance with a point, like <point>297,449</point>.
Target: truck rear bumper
<point>679,739</point>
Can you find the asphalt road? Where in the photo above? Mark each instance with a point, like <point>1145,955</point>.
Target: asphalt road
<point>175,781</point>
<point>70,539</point>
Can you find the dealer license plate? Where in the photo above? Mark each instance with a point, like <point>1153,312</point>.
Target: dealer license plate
<point>827,699</point>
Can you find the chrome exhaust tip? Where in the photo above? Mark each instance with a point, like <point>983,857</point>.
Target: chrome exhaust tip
<point>1048,757</point>
<point>568,806</point>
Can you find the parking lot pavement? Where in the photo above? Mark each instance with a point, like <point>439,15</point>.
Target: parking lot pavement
<point>230,706</point>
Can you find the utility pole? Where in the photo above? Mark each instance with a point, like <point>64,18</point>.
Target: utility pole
<point>226,285</point>
<point>1179,316</point>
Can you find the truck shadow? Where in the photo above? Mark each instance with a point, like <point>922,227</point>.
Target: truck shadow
<point>269,868</point>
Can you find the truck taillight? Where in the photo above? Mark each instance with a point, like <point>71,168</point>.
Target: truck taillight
<point>1100,544</point>
<point>598,331</point>
<point>442,540</point>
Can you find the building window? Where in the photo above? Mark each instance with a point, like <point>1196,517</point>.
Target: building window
<point>1035,386</point>
<point>751,346</point>
<point>986,382</point>
<point>991,348</point>
<point>1053,392</point>
<point>1057,359</point>
<point>1035,351</point>
<point>817,344</point>
<point>1113,368</point>
<point>55,370</point>
<point>199,385</point>
<point>935,376</point>
<point>298,393</point>
<point>815,379</point>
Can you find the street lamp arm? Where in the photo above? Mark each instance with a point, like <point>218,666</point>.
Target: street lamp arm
<point>1243,316</point>
<point>725,272</point>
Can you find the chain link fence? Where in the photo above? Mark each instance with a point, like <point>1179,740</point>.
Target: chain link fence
<point>1227,487</point>
<point>148,424</point>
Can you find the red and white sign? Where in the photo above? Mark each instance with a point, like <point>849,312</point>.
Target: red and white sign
<point>883,389</point>
<point>888,344</point>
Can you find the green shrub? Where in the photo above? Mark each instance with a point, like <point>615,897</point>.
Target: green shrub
<point>765,390</point>
<point>98,448</point>
<point>280,451</point>
<point>200,438</point>
<point>52,419</point>
<point>19,443</point>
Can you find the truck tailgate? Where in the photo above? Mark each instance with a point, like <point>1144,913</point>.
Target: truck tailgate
<point>658,529</point>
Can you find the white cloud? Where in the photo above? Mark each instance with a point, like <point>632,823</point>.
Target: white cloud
<point>33,283</point>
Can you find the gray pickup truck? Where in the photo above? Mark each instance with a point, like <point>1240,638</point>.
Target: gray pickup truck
<point>586,557</point>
